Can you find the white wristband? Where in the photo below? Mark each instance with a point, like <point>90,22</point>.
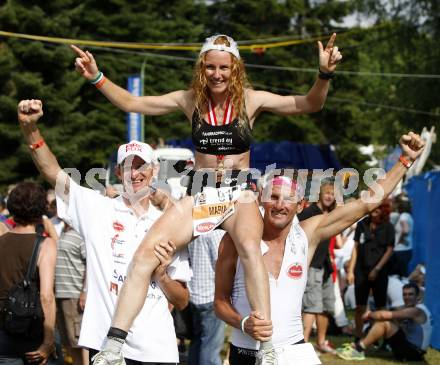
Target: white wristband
<point>98,78</point>
<point>244,319</point>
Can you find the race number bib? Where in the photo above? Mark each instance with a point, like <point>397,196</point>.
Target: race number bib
<point>212,207</point>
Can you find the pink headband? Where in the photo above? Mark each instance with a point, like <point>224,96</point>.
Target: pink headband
<point>287,181</point>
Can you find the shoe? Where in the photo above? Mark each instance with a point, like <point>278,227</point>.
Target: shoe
<point>350,354</point>
<point>344,346</point>
<point>326,348</point>
<point>108,358</point>
<point>267,357</point>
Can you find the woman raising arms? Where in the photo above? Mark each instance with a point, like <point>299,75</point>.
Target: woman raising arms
<point>222,109</point>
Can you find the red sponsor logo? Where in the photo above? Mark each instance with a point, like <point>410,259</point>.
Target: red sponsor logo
<point>295,271</point>
<point>117,226</point>
<point>204,227</point>
<point>114,288</point>
<point>133,147</point>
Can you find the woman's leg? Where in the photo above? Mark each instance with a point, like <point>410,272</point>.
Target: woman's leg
<point>245,227</point>
<point>174,225</point>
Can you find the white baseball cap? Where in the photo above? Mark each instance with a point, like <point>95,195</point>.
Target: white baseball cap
<point>143,150</point>
<point>209,45</point>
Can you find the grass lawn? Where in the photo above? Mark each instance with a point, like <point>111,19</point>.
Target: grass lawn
<point>373,357</point>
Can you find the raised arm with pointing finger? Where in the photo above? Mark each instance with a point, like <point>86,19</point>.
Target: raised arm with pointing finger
<point>329,57</point>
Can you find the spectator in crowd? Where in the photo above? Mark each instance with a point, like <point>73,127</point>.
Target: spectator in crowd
<point>4,225</point>
<point>6,222</point>
<point>407,330</point>
<point>340,318</point>
<point>49,228</point>
<point>403,237</point>
<point>319,298</point>
<point>208,330</point>
<point>374,242</point>
<point>394,292</point>
<point>288,247</point>
<point>343,253</point>
<point>396,283</point>
<point>71,291</point>
<point>418,276</point>
<point>3,209</point>
<point>27,204</point>
<point>52,212</point>
<point>112,230</point>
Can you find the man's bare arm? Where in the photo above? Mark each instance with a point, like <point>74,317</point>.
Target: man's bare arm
<point>224,280</point>
<point>399,315</point>
<point>176,292</point>
<point>254,324</point>
<point>29,112</point>
<point>328,225</point>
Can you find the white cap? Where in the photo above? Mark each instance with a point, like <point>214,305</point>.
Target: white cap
<point>209,45</point>
<point>143,150</point>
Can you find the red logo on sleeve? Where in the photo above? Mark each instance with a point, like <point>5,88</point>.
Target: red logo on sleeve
<point>117,226</point>
<point>295,271</point>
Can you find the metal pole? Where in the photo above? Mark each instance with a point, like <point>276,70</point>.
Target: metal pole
<point>142,94</point>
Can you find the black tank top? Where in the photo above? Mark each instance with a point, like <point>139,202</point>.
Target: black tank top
<point>225,139</point>
<point>15,253</point>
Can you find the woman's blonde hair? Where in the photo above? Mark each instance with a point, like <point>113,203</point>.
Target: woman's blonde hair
<point>237,83</point>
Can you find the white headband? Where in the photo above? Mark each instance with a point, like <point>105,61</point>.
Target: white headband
<point>209,45</point>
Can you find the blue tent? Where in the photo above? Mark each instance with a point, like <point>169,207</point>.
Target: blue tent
<point>284,154</point>
<point>424,192</point>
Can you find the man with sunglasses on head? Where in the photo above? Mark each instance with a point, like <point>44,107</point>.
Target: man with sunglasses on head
<point>287,247</point>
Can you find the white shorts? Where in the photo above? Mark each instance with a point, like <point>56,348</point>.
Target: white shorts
<point>302,353</point>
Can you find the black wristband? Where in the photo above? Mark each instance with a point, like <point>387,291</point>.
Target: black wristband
<point>325,75</point>
<point>117,333</point>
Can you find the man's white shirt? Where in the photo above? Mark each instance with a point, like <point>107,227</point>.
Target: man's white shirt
<point>286,293</point>
<point>112,233</point>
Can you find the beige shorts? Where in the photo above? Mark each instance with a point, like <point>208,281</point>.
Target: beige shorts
<point>69,321</point>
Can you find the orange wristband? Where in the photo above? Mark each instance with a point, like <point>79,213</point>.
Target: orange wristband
<point>101,82</point>
<point>37,145</point>
<point>405,162</point>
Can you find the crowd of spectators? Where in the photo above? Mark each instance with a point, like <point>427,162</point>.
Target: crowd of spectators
<point>365,268</point>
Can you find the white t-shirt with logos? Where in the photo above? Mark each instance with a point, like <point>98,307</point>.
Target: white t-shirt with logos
<point>112,232</point>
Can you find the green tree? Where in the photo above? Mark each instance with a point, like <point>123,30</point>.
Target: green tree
<point>83,128</point>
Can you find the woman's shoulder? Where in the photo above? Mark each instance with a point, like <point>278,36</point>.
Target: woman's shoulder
<point>187,101</point>
<point>48,246</point>
<point>187,95</point>
<point>249,92</point>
